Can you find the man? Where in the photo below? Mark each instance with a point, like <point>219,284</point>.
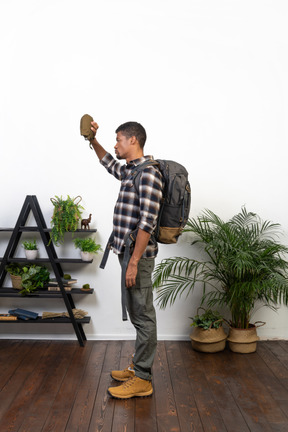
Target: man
<point>135,210</point>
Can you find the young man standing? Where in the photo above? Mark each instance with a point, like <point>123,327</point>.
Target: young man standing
<point>135,210</point>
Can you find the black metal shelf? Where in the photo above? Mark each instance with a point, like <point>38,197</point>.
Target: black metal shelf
<point>31,204</point>
<point>47,260</point>
<point>43,293</point>
<point>46,230</point>
<point>39,320</point>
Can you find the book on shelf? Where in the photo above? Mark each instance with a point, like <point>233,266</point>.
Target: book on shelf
<point>8,317</point>
<point>23,314</point>
<point>57,288</point>
<point>64,281</point>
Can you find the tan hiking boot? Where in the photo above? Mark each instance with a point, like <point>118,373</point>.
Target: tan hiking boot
<point>133,387</point>
<point>123,375</point>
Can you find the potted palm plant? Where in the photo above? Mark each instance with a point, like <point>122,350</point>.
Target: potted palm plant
<point>88,247</point>
<point>244,265</point>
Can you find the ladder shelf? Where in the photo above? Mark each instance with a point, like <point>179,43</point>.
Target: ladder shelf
<point>31,205</point>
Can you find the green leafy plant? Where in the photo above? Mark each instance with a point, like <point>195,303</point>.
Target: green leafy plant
<point>65,217</point>
<point>30,245</point>
<point>86,287</point>
<point>14,269</point>
<point>32,276</point>
<point>209,319</point>
<point>87,245</point>
<point>243,266</point>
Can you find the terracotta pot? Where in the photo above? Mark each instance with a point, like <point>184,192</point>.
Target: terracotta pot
<point>209,341</point>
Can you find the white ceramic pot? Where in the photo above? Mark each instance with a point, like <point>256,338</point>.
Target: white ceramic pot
<point>31,254</point>
<point>86,256</point>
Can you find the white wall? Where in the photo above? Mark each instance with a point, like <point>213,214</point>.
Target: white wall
<point>207,79</point>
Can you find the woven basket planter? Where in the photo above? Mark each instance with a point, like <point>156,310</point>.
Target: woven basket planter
<point>16,281</point>
<point>209,341</point>
<point>243,341</point>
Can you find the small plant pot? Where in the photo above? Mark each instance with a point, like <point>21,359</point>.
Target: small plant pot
<point>16,282</point>
<point>243,341</point>
<point>209,341</point>
<point>31,254</point>
<point>86,256</point>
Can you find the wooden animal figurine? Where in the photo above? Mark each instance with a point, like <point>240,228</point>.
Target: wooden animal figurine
<point>85,222</point>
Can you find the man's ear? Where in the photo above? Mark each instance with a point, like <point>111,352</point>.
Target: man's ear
<point>133,140</point>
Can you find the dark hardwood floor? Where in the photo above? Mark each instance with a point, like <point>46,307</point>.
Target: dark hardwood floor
<point>58,386</point>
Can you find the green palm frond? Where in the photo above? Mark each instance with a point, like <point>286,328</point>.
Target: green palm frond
<point>244,264</point>
<point>175,275</point>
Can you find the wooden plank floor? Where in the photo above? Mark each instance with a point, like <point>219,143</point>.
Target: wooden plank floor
<point>58,386</point>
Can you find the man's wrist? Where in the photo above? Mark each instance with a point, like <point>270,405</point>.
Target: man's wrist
<point>134,260</point>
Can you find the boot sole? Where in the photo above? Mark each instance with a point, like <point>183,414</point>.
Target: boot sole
<point>142,394</point>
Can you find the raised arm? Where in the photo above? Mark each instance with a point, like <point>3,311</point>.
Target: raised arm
<point>99,150</point>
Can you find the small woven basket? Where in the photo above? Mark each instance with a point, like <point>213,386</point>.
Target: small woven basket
<point>16,281</point>
<point>243,340</point>
<point>210,341</point>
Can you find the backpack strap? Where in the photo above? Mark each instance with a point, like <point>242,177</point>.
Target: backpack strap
<point>107,251</point>
<point>138,168</point>
<point>129,239</point>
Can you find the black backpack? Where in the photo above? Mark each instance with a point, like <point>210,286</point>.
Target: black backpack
<point>175,206</point>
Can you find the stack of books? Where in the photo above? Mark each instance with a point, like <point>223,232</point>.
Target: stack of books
<point>23,314</point>
<point>54,286</point>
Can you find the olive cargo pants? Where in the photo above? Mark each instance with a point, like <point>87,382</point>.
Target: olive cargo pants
<point>140,307</point>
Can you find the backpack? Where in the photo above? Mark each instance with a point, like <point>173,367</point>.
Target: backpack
<point>176,200</point>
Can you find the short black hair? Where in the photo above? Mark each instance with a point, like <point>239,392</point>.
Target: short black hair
<point>130,129</point>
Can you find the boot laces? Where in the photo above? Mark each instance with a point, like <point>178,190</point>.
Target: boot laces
<point>129,382</point>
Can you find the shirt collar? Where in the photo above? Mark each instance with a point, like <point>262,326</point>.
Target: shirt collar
<point>139,161</point>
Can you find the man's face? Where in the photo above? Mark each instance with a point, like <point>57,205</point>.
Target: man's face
<point>122,146</point>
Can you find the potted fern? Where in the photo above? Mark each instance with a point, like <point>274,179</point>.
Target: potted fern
<point>244,265</point>
<point>88,247</point>
<point>66,216</point>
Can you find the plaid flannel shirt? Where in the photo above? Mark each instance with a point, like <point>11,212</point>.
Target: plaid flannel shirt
<point>132,211</point>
